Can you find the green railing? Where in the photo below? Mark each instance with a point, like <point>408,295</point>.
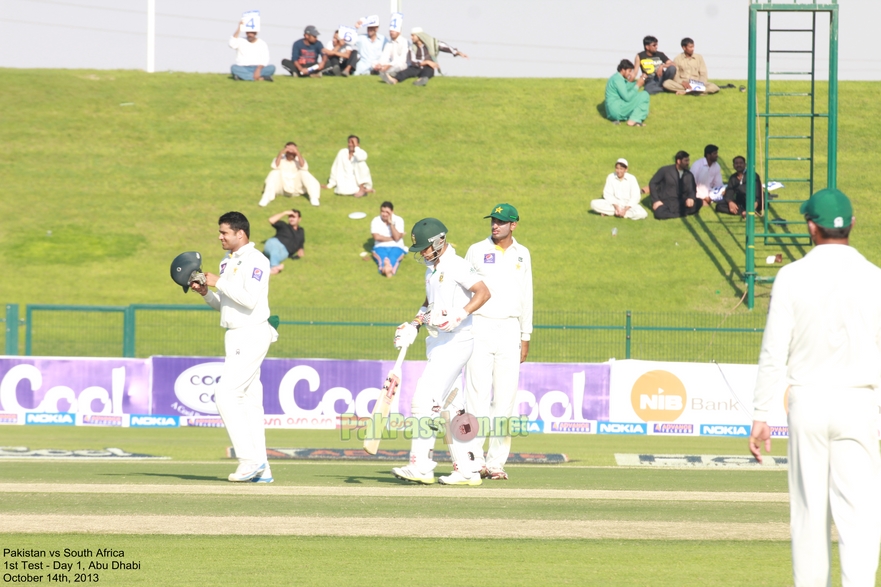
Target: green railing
<point>142,330</point>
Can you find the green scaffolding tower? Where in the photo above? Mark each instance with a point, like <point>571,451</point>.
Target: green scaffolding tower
<point>790,126</point>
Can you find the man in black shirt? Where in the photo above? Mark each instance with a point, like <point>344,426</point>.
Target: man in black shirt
<point>734,201</point>
<point>674,191</point>
<point>289,240</point>
<point>656,66</point>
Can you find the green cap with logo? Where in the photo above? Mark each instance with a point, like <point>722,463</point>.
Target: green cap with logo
<point>505,213</point>
<point>828,208</point>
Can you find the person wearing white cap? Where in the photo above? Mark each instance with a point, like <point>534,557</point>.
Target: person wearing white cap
<point>620,195</point>
<point>422,60</point>
<point>369,46</point>
<point>394,54</point>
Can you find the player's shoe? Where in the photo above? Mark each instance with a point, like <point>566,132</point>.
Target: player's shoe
<point>411,473</point>
<point>264,477</point>
<point>457,478</point>
<point>496,474</point>
<point>246,473</point>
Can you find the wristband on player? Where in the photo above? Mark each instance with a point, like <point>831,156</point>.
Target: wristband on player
<point>420,318</point>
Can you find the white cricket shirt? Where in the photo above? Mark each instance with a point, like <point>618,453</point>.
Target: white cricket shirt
<point>824,326</point>
<point>243,288</point>
<point>447,287</point>
<point>508,275</point>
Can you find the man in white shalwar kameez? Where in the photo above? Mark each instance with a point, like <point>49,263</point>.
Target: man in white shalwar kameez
<point>620,195</point>
<point>349,175</point>
<point>290,177</point>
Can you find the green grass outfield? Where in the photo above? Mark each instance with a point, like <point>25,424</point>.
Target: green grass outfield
<point>588,522</point>
<point>127,169</point>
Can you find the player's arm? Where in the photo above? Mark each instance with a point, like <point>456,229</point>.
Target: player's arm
<point>526,308</point>
<point>276,217</point>
<point>480,297</point>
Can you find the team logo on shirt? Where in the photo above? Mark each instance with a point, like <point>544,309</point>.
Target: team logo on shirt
<point>257,274</point>
<point>441,278</point>
<point>489,257</point>
<point>222,267</point>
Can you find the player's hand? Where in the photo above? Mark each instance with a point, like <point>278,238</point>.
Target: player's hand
<point>211,279</point>
<point>760,433</point>
<point>405,335</point>
<point>524,350</point>
<point>199,288</point>
<point>732,207</point>
<point>452,320</point>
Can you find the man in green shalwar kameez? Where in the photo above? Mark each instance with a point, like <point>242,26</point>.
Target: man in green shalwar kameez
<point>624,101</point>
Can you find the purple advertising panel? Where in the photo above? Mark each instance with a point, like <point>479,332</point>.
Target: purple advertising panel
<point>76,385</point>
<point>313,393</point>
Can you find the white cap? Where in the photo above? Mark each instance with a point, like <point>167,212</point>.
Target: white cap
<point>372,20</point>
<point>416,30</point>
<point>622,161</point>
<point>397,22</point>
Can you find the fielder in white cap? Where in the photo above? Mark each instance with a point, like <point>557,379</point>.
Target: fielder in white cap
<point>620,195</point>
<point>394,54</point>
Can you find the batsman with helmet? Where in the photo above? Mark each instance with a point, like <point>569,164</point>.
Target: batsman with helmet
<point>242,297</point>
<point>453,291</point>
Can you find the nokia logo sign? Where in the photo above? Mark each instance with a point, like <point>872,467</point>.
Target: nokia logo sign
<point>620,428</point>
<point>60,419</point>
<point>724,430</point>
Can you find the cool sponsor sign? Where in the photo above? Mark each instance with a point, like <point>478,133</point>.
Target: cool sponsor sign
<point>74,385</point>
<point>314,393</point>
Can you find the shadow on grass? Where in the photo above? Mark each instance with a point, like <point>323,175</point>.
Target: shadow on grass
<point>182,476</point>
<point>717,253</point>
<point>385,477</point>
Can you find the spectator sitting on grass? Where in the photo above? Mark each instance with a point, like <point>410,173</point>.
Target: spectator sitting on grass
<point>290,177</point>
<point>690,68</point>
<point>252,57</point>
<point>288,242</point>
<point>340,59</point>
<point>388,239</point>
<point>306,57</point>
<point>656,66</point>
<point>734,201</point>
<point>673,190</point>
<point>394,54</point>
<point>708,175</point>
<point>620,195</point>
<point>624,101</point>
<point>349,175</point>
<point>422,60</point>
<point>369,46</point>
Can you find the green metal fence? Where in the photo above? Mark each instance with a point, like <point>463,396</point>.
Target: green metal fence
<point>142,330</point>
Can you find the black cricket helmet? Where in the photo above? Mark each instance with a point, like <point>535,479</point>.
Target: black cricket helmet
<point>183,266</point>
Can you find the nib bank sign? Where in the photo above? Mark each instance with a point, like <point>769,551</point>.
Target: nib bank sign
<point>313,393</point>
<point>707,396</point>
<point>74,385</point>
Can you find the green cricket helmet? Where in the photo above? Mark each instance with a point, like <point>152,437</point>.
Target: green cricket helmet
<point>183,266</point>
<point>428,232</point>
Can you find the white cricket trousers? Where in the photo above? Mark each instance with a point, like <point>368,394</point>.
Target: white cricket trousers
<point>304,183</point>
<point>604,206</point>
<point>492,378</point>
<point>834,468</point>
<point>447,354</point>
<point>239,394</point>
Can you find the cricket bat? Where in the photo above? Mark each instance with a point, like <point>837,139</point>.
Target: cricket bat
<point>384,402</point>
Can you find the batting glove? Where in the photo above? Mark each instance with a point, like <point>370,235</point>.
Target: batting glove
<point>453,319</point>
<point>405,335</point>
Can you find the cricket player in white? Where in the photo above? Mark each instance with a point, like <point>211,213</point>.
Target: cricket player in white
<point>502,328</point>
<point>823,340</point>
<point>453,291</point>
<point>243,300</point>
